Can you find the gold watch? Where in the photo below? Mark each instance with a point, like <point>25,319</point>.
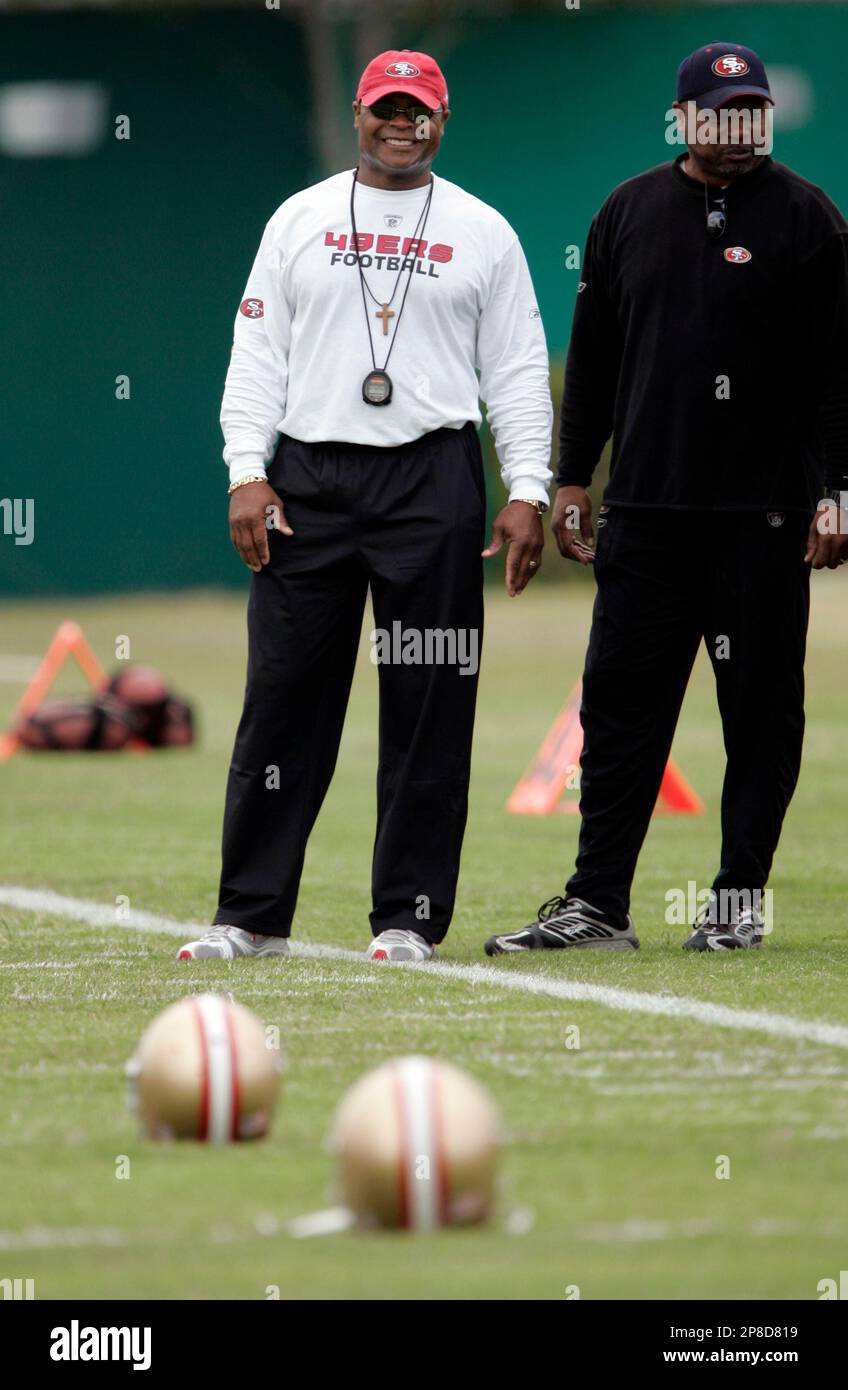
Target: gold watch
<point>541,507</point>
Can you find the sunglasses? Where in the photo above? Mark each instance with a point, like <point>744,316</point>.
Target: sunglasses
<point>386,111</point>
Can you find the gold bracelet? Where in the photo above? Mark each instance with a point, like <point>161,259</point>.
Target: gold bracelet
<point>242,482</point>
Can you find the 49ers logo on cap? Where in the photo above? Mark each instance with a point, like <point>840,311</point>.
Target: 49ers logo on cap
<point>252,308</point>
<point>730,65</point>
<point>402,70</point>
<point>737,255</point>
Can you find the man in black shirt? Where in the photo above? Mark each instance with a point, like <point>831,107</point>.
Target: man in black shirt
<point>710,339</point>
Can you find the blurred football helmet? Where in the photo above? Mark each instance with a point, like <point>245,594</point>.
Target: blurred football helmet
<point>204,1070</point>
<point>417,1143</point>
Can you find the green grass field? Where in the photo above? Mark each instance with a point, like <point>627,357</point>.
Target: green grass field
<point>609,1166</point>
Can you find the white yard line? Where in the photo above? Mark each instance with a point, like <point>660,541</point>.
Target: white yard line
<point>517,1221</point>
<point>607,996</point>
<point>109,915</point>
<point>61,1238</point>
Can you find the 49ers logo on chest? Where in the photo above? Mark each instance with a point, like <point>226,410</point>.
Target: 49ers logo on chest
<point>737,255</point>
<point>386,252</point>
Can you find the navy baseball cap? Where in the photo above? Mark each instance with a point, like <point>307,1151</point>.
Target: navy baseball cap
<point>720,70</point>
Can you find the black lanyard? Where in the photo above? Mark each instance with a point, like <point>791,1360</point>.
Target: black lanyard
<point>377,387</point>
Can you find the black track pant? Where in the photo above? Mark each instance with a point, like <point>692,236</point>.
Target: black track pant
<point>665,581</point>
<point>408,521</point>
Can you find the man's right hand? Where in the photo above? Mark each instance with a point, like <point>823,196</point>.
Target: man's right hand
<point>571,524</point>
<point>254,509</point>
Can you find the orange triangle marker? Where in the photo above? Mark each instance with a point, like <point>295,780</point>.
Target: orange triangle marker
<point>556,768</point>
<point>68,640</point>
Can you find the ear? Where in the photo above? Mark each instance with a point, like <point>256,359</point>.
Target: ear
<point>357,107</point>
<point>446,115</point>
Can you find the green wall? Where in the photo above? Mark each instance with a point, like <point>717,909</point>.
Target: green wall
<point>131,260</point>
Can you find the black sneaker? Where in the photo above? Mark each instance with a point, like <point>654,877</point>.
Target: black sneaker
<point>743,930</point>
<point>566,922</point>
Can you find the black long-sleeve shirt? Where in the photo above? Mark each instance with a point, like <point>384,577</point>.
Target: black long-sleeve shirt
<point>665,313</point>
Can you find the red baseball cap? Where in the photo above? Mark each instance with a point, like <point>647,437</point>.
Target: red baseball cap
<point>401,70</point>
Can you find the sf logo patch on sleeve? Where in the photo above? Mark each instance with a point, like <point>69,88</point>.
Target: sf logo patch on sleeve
<point>252,308</point>
<point>737,255</point>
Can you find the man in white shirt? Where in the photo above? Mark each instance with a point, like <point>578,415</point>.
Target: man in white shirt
<point>350,417</point>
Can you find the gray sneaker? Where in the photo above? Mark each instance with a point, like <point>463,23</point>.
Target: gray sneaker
<point>227,943</point>
<point>397,943</point>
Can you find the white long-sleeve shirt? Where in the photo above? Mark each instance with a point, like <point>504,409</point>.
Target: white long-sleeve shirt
<point>300,350</point>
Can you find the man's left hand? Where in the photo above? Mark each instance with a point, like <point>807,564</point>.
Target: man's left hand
<point>519,526</point>
<point>827,541</point>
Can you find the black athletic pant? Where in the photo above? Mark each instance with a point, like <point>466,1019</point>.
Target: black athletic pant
<point>408,521</point>
<point>665,581</point>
